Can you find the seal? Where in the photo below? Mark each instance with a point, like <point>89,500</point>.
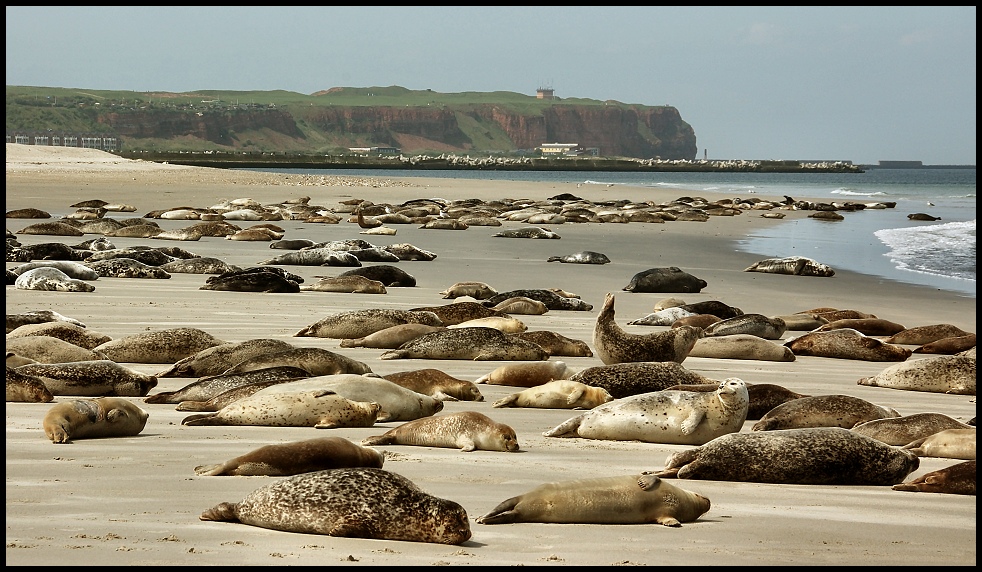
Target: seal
<point>900,431</point>
<point>948,346</point>
<point>15,360</point>
<point>292,244</point>
<point>199,265</point>
<point>633,378</point>
<point>716,308</point>
<point>668,280</point>
<point>479,344</point>
<point>461,311</point>
<point>316,361</point>
<point>521,305</point>
<point>148,256</point>
<point>91,378</point>
<point>314,256</point>
<point>293,458</point>
<point>754,324</point>
<point>920,335</point>
<point>675,417</point>
<point>71,269</point>
<point>438,384</point>
<point>50,279</point>
<point>14,321</point>
<point>958,479</point>
<point>631,499</point>
<point>218,359</point>
<point>128,268</point>
<point>398,403</point>
<point>266,282</point>
<point>161,346</point>
<point>792,265</point>
<point>553,299</point>
<point>664,317</point>
<point>763,396</point>
<point>526,374</point>
<point>811,456</point>
<point>361,323</point>
<point>92,419</point>
<point>665,303</point>
<point>391,337</point>
<point>390,276</point>
<point>406,251</point>
<point>741,346</point>
<point>528,232</point>
<point>357,502</point>
<point>556,344</point>
<point>922,216</point>
<point>25,388</point>
<point>614,345</point>
<point>348,284</point>
<point>948,444</point>
<point>477,290</point>
<point>843,411</point>
<point>81,337</point>
<point>802,322</point>
<point>846,343</point>
<point>49,349</point>
<point>321,409</point>
<point>865,326</point>
<point>505,324</point>
<point>224,398</point>
<point>935,374</point>
<point>464,430</point>
<point>582,257</point>
<point>211,386</point>
<point>557,394</point>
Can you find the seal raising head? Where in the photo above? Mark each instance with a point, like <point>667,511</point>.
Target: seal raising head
<point>614,345</point>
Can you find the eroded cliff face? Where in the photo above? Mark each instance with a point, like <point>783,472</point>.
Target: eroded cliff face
<point>643,132</point>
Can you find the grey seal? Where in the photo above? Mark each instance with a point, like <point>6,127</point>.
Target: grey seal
<point>632,378</point>
<point>792,265</point>
<point>218,359</point>
<point>91,378</point>
<point>464,430</point>
<point>295,457</point>
<point>670,279</point>
<point>935,374</point>
<point>357,502</point>
<point>128,268</point>
<point>75,270</point>
<point>468,343</point>
<point>551,298</point>
<point>754,324</point>
<point>390,276</point>
<point>321,409</point>
<point>314,257</point>
<point>582,257</point>
<point>846,343</point>
<point>93,418</point>
<point>613,345</point>
<point>900,431</point>
<point>823,411</point>
<point>160,346</point>
<point>267,282</point>
<point>210,386</point>
<point>352,324</point>
<point>533,232</point>
<point>51,279</point>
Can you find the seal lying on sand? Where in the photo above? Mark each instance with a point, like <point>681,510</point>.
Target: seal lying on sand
<point>468,343</point>
<point>321,409</point>
<point>792,265</point>
<point>91,378</point>
<point>361,323</point>
<point>671,279</point>
<point>948,444</point>
<point>438,384</point>
<point>632,499</point>
<point>296,457</point>
<point>955,480</point>
<point>464,430</point>
<point>557,394</point>
<point>823,411</point>
<point>632,378</point>
<point>360,502</point>
<point>846,343</point>
<point>26,388</point>
<point>614,345</point>
<point>900,431</point>
<point>936,374</point>
<point>93,418</point>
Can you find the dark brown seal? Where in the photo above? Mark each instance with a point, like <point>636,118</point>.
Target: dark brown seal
<point>958,479</point>
<point>296,457</point>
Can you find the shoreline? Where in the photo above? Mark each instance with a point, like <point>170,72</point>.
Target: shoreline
<point>136,500</point>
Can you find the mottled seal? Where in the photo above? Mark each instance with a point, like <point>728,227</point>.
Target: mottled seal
<point>406,251</point>
<point>754,324</point>
<point>631,499</point>
<point>360,323</point>
<point>663,317</point>
<point>958,479</point>
<point>264,282</point>
<point>741,346</point>
<point>533,232</point>
<point>392,337</point>
<point>526,374</point>
<point>438,384</point>
<point>313,256</point>
<point>160,346</point>
<point>464,430</point>
<point>556,344</point>
<point>217,359</point>
<point>557,394</point>
<point>478,290</point>
<point>823,411</point>
<point>632,378</point>
<point>51,279</point>
<point>460,311</point>
<point>763,396</point>
<point>716,308</point>
<point>920,335</point>
<point>792,265</point>
<point>210,386</point>
<point>554,299</point>
<point>948,444</point>
<point>866,326</point>
<point>357,502</point>
<point>128,268</point>
<point>812,456</point>
<point>37,317</point>
<point>675,417</point>
<point>900,431</point>
<point>505,324</point>
<point>582,257</point>
<point>316,361</point>
<point>948,346</point>
<point>93,418</point>
<point>26,388</point>
<point>671,279</point>
<point>75,270</point>
<point>479,344</point>
<point>81,337</point>
<point>936,374</point>
<point>321,409</point>
<point>521,305</point>
<point>91,378</point>
<point>846,343</point>
<point>390,276</point>
<point>293,458</point>
<point>802,322</point>
<point>348,284</point>
<point>49,349</point>
<point>614,345</point>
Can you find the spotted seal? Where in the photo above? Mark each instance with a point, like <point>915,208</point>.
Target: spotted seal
<point>834,410</point>
<point>802,322</point>
<point>532,232</point>
<point>37,317</point>
<point>26,388</point>
<point>948,346</point>
<point>556,344</point>
<point>521,305</point>
<point>663,317</point>
<point>810,456</point>
<point>391,337</point>
<point>754,324</point>
<point>361,323</point>
<point>128,268</point>
<point>49,349</point>
<point>464,430</point>
<point>91,378</point>
<point>321,409</point>
<point>741,346</point>
<point>557,394</point>
<point>81,337</point>
<point>215,360</point>
<point>75,270</point>
<point>460,311</point>
<point>792,265</point>
<point>199,265</point>
<point>161,346</point>
<point>93,418</point>
<point>936,374</point>
<point>551,298</point>
<point>614,345</point>
<point>51,279</point>
<point>763,396</point>
<point>208,387</point>
<point>631,499</point>
<point>349,284</point>
<point>266,282</point>
<point>958,479</point>
<point>356,502</point>
<point>406,251</point>
<point>632,378</point>
<point>316,361</point>
<point>900,431</point>
<point>866,326</point>
<point>505,324</point>
<point>526,374</point>
<point>920,335</point>
<point>477,344</point>
<point>948,444</point>
<point>670,279</point>
<point>293,458</point>
<point>846,343</point>
<point>675,417</point>
<point>478,290</point>
<point>390,276</point>
<point>438,384</point>
<point>582,257</point>
<point>292,244</point>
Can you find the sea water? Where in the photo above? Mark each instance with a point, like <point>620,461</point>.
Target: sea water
<point>880,242</point>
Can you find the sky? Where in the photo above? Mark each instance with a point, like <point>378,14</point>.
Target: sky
<point>860,84</point>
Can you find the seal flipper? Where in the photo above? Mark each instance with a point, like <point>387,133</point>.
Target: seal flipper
<point>504,513</point>
<point>690,423</point>
<point>566,429</point>
<point>354,528</point>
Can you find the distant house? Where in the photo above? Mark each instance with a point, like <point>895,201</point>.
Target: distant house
<point>53,138</point>
<point>565,149</point>
<point>374,150</point>
<point>545,93</point>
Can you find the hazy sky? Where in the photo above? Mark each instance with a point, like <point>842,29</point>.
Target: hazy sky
<point>856,83</point>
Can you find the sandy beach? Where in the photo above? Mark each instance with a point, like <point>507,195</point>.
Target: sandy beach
<point>136,500</point>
